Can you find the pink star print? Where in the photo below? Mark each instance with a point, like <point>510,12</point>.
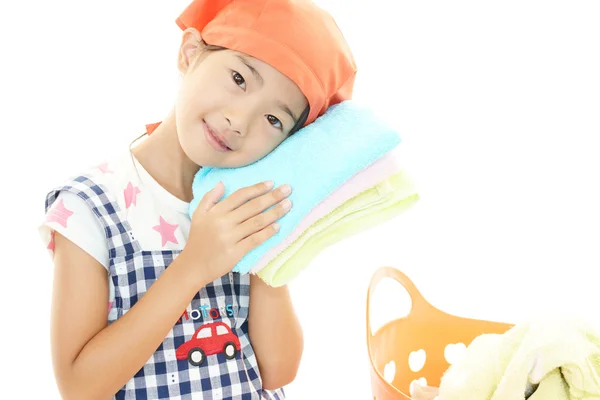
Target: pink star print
<point>104,168</point>
<point>59,214</point>
<point>51,243</point>
<point>167,231</point>
<point>130,193</point>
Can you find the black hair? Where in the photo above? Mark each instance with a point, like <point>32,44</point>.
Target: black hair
<point>301,121</point>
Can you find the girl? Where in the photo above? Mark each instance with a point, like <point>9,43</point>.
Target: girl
<point>180,324</point>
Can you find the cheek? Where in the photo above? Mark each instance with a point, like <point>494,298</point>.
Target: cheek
<point>264,142</point>
<point>190,96</point>
<point>184,102</point>
<point>191,92</point>
<point>205,97</point>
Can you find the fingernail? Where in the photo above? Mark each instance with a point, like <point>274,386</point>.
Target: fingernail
<point>286,189</point>
<point>269,184</point>
<point>287,204</point>
<point>276,226</point>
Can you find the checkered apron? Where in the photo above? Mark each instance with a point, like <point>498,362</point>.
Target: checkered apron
<point>132,271</point>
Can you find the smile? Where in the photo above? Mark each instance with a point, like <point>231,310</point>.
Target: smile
<point>212,138</point>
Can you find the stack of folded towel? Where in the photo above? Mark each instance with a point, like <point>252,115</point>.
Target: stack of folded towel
<point>346,178</point>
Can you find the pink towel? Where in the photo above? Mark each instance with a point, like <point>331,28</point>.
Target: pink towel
<point>380,170</point>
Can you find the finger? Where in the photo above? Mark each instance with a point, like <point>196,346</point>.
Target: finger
<point>242,195</point>
<point>263,220</point>
<point>210,199</point>
<point>256,206</point>
<point>253,241</point>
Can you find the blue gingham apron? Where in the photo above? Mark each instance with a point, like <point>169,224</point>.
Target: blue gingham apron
<point>226,300</point>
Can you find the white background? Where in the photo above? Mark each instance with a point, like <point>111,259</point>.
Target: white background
<point>498,106</point>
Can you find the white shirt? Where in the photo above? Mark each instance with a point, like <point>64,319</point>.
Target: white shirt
<point>159,220</point>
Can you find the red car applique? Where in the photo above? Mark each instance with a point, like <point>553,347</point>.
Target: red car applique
<point>209,339</point>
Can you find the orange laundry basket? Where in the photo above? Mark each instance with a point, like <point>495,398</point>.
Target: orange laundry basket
<point>425,328</point>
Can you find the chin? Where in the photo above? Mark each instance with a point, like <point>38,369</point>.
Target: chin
<point>197,152</point>
<point>211,162</point>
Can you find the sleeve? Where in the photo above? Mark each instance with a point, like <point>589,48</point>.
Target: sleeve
<point>72,217</point>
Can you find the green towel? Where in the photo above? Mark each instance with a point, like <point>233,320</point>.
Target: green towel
<point>561,355</point>
<point>368,209</point>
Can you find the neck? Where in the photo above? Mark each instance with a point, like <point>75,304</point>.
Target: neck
<point>162,156</point>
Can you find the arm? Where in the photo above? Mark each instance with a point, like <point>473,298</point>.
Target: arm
<point>275,333</point>
<point>91,360</point>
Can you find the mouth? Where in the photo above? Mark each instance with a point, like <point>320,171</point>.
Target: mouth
<point>213,138</point>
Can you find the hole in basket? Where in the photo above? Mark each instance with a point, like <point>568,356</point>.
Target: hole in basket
<point>421,382</point>
<point>416,360</point>
<point>453,353</point>
<point>389,371</point>
<point>389,301</point>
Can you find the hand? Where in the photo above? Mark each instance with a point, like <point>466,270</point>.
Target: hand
<point>222,233</point>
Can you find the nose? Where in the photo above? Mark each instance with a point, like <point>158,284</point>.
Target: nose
<point>234,128</point>
<point>239,121</point>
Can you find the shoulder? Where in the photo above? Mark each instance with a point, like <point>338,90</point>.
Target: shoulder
<point>83,206</point>
<point>71,216</point>
<point>94,183</point>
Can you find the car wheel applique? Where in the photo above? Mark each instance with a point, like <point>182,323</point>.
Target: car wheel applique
<point>210,339</point>
<point>230,350</point>
<point>196,356</point>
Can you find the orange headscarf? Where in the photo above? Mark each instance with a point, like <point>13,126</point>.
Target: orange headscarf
<point>296,37</point>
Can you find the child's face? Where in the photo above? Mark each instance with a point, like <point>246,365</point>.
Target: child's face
<point>244,101</point>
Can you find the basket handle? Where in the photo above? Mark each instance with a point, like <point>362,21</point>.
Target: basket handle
<point>419,304</point>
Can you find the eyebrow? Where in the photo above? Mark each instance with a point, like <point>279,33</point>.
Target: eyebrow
<point>252,69</point>
<point>284,107</point>
<point>288,110</point>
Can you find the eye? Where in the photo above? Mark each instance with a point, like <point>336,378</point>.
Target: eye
<point>274,121</point>
<point>239,79</point>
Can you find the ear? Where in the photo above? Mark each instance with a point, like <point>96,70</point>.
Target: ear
<point>191,45</point>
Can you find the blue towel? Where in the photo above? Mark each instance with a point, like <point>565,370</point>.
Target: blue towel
<point>315,161</point>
